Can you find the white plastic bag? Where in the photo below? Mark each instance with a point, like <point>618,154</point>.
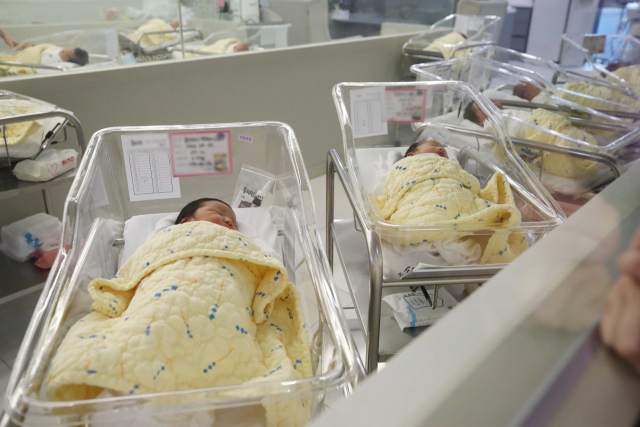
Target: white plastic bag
<point>21,238</point>
<point>412,309</point>
<point>253,187</point>
<point>48,165</point>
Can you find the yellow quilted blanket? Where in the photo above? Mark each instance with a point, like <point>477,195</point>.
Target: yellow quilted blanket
<point>431,190</point>
<point>153,39</point>
<point>446,44</point>
<point>197,306</point>
<point>630,74</point>
<point>17,132</point>
<point>218,47</point>
<point>30,55</point>
<point>553,163</point>
<point>600,92</point>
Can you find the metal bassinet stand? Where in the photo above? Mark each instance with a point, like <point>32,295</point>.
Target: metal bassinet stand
<point>10,186</point>
<point>360,254</point>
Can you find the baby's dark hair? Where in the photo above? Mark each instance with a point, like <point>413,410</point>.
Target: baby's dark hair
<point>82,57</point>
<point>413,148</point>
<point>190,209</point>
<point>470,114</point>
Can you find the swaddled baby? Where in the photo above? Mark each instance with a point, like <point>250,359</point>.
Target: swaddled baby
<point>551,163</point>
<point>198,305</point>
<point>427,188</point>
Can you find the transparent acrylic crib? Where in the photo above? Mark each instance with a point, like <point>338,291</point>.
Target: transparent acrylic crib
<point>613,135</point>
<point>358,242</point>
<point>553,77</point>
<point>619,49</point>
<point>101,45</point>
<point>480,31</point>
<point>92,236</point>
<point>257,36</point>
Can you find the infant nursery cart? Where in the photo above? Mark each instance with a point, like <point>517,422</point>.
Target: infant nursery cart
<point>127,181</point>
<point>362,244</point>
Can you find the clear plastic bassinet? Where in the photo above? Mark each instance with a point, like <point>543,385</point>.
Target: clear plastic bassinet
<point>95,210</point>
<point>442,104</point>
<point>100,44</point>
<point>609,137</point>
<point>479,31</point>
<point>618,50</point>
<point>615,100</point>
<point>379,257</point>
<point>257,36</point>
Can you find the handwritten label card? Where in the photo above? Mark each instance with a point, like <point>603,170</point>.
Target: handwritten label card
<point>148,167</point>
<point>406,105</point>
<point>201,153</point>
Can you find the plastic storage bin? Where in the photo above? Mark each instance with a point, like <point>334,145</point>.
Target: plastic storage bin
<point>95,210</point>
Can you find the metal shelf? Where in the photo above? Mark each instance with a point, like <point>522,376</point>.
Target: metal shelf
<point>10,186</point>
<point>352,250</point>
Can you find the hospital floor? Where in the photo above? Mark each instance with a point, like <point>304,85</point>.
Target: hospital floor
<point>16,309</point>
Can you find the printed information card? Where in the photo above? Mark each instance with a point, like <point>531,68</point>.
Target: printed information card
<point>201,153</point>
<point>148,167</point>
<point>368,112</point>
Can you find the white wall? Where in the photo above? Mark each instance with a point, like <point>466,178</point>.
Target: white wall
<point>291,85</point>
<point>18,12</point>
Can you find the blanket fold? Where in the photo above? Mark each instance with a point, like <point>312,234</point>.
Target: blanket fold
<point>197,306</point>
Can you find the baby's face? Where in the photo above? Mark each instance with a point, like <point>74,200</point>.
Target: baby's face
<point>215,212</point>
<point>67,54</point>
<point>430,148</point>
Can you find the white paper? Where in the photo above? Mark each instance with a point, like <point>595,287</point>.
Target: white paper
<point>98,194</point>
<point>368,112</point>
<point>462,24</point>
<point>594,43</point>
<point>405,105</point>
<point>201,153</point>
<point>148,165</point>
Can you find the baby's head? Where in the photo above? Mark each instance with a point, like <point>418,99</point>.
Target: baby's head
<point>526,90</point>
<point>75,55</point>
<point>212,210</point>
<point>425,147</point>
<point>475,114</point>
